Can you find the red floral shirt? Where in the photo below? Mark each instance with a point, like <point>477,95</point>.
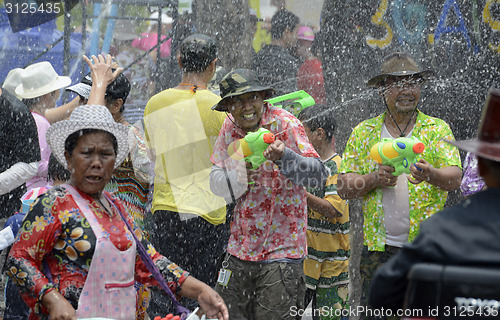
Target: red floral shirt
<point>55,231</point>
<point>270,219</point>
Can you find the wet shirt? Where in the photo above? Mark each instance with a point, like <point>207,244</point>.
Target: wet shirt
<point>18,143</point>
<point>130,181</point>
<point>181,129</point>
<point>425,199</point>
<point>328,247</point>
<point>310,79</point>
<point>472,182</point>
<point>40,179</point>
<point>270,219</point>
<point>277,68</point>
<point>55,231</point>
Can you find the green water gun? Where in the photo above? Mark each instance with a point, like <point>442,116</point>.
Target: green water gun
<point>293,102</point>
<point>399,153</point>
<point>251,148</point>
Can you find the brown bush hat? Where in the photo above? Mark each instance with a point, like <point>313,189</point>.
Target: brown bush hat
<point>398,64</point>
<point>238,82</point>
<point>487,145</point>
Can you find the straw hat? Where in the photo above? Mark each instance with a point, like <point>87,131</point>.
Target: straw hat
<point>487,145</point>
<point>12,80</point>
<point>87,117</point>
<point>398,64</point>
<point>39,79</point>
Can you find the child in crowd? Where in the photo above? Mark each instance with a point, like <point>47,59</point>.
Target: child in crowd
<point>15,308</point>
<point>326,265</point>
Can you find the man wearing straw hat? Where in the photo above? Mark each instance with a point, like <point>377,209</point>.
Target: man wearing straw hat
<point>465,234</point>
<point>394,206</point>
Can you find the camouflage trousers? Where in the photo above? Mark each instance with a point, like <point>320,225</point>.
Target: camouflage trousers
<point>370,262</point>
<point>328,303</point>
<point>255,291</point>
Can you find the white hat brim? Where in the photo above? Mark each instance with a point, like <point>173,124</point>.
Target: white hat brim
<point>80,89</point>
<point>60,131</point>
<point>58,83</point>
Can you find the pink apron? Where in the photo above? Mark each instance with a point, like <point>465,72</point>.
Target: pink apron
<point>109,288</point>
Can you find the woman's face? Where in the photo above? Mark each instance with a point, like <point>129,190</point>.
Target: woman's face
<point>92,162</point>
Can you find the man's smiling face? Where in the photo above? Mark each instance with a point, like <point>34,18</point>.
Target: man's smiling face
<point>402,94</point>
<point>246,109</point>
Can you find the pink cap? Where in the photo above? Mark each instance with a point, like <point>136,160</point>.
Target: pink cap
<point>305,33</point>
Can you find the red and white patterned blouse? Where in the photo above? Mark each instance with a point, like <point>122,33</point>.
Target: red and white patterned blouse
<point>270,219</point>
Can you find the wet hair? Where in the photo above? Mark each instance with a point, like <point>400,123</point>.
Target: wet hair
<point>197,52</point>
<point>319,116</point>
<point>56,171</point>
<point>31,102</point>
<point>282,20</point>
<point>72,139</point>
<point>118,89</point>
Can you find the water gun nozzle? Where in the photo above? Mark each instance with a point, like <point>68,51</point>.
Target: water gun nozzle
<point>268,138</point>
<point>418,147</point>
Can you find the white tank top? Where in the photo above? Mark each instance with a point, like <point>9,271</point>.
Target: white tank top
<point>396,204</point>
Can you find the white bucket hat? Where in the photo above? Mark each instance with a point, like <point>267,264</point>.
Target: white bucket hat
<point>165,19</point>
<point>87,117</point>
<point>39,79</point>
<point>12,80</point>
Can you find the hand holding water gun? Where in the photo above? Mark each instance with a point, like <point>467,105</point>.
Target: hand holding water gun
<point>251,148</point>
<point>399,153</point>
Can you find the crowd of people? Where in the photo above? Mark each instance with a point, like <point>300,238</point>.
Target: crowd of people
<point>124,219</point>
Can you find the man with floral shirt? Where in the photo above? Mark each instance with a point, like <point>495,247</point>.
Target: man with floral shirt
<point>394,206</point>
<point>262,275</point>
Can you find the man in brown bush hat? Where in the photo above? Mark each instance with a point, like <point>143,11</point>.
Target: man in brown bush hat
<point>394,206</point>
<point>463,235</point>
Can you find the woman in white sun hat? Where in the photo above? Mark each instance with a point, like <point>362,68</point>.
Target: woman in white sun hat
<point>93,252</point>
<point>39,89</point>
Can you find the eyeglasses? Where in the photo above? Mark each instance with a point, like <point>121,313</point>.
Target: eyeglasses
<point>404,82</point>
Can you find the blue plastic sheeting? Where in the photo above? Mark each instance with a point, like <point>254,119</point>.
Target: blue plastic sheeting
<point>17,49</point>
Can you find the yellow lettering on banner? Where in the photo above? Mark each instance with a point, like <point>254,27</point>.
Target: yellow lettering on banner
<point>378,19</point>
<point>494,24</point>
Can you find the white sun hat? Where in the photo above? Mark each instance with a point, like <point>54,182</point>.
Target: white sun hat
<point>164,18</point>
<point>87,117</point>
<point>12,80</point>
<point>39,79</point>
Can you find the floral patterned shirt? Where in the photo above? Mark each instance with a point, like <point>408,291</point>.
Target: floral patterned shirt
<point>472,182</point>
<point>425,199</point>
<point>270,219</point>
<point>56,233</point>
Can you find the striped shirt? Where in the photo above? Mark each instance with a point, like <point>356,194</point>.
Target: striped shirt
<point>328,248</point>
